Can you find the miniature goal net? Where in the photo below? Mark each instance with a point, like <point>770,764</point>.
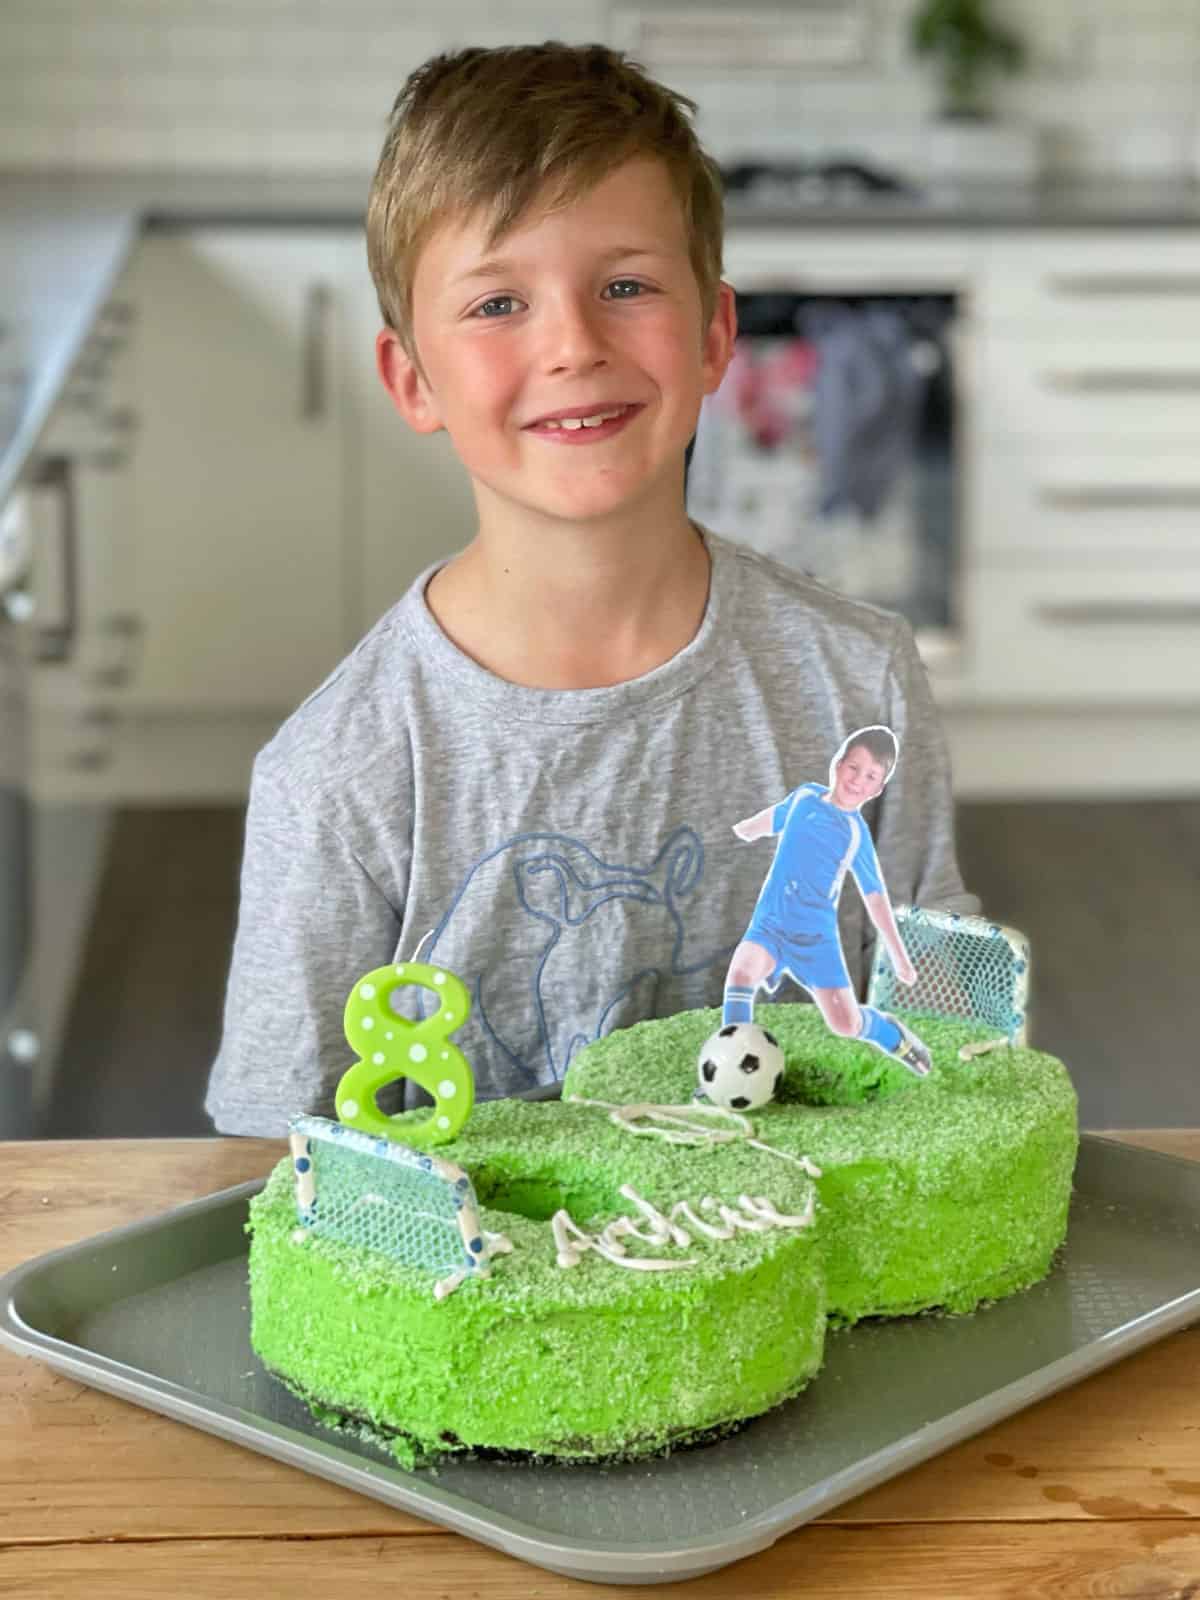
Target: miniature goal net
<point>966,967</point>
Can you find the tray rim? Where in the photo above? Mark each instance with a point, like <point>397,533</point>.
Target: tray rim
<point>585,1559</point>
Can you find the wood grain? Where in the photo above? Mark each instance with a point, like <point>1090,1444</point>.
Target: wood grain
<point>1154,1561</point>
<point>56,1192</point>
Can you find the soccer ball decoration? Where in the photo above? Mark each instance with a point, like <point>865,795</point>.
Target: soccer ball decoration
<point>740,1067</point>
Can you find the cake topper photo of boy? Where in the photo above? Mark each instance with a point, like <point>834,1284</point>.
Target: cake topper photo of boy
<point>793,933</point>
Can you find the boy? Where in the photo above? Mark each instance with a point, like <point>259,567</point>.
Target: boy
<point>793,931</point>
<point>528,763</point>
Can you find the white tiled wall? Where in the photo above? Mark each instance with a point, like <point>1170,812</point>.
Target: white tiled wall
<point>305,85</point>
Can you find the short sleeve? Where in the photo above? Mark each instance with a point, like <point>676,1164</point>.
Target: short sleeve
<point>311,919</point>
<point>865,865</point>
<point>781,812</point>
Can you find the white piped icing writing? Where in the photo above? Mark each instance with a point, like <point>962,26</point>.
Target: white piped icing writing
<point>751,1214</point>
<point>802,1162</point>
<point>673,1125</point>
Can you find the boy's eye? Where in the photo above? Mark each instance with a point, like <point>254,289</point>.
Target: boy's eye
<point>625,288</point>
<point>498,306</point>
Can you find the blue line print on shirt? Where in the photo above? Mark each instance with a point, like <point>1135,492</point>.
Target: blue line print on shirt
<point>560,884</point>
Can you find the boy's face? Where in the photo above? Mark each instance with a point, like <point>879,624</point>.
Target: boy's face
<point>590,311</point>
<point>860,777</point>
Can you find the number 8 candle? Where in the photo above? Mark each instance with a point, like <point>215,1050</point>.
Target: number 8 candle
<point>390,1046</point>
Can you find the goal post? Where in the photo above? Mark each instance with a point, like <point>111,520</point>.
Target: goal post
<point>967,967</point>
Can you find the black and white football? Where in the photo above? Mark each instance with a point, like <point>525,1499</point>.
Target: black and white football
<point>739,1067</point>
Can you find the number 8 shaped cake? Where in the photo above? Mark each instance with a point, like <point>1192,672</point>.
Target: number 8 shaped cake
<point>623,1272</point>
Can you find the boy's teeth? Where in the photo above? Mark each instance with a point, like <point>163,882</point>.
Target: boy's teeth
<point>584,422</point>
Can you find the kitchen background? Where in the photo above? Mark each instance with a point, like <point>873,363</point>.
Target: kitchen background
<point>187,410</point>
<point>301,86</point>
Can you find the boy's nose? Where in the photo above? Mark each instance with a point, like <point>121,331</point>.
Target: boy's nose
<point>573,342</point>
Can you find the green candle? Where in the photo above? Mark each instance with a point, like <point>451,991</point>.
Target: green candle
<point>391,1046</point>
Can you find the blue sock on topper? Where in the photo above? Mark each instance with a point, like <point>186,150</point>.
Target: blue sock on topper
<point>880,1029</point>
<point>738,1005</point>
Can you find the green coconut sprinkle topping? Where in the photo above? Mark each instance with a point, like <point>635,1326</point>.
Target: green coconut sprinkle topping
<point>936,1192</point>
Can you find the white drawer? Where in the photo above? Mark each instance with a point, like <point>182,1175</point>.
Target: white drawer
<point>810,259</point>
<point>1038,498</point>
<point>1098,393</point>
<point>1128,285</point>
<point>1100,633</point>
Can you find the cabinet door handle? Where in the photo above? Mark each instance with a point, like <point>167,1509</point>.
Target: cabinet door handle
<point>1124,283</point>
<point>312,354</point>
<point>1075,613</point>
<point>124,630</point>
<point>54,640</point>
<point>88,759</point>
<point>1098,496</point>
<point>1129,380</point>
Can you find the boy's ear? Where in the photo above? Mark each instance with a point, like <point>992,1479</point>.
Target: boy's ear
<point>719,337</point>
<point>405,382</point>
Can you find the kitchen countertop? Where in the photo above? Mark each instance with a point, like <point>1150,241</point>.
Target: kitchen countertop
<point>1095,1490</point>
<point>65,237</point>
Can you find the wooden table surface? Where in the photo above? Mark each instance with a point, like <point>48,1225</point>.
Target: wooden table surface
<point>1095,1491</point>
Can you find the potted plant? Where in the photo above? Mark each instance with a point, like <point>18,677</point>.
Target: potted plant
<point>970,47</point>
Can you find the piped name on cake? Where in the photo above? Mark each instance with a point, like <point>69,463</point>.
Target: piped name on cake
<point>751,1214</point>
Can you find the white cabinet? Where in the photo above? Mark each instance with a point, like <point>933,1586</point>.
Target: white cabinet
<point>1077,666</point>
<point>278,504</point>
<point>241,487</point>
<point>282,504</point>
<point>415,504</point>
<point>78,490</point>
<point>1118,633</point>
<point>275,506</point>
<point>1084,500</point>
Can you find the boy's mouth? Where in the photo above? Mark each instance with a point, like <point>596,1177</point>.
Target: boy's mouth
<point>581,426</point>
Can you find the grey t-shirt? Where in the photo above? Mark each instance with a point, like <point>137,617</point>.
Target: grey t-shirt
<point>569,853</point>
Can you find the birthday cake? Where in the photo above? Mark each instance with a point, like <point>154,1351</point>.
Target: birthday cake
<point>654,1259</point>
<point>631,1271</point>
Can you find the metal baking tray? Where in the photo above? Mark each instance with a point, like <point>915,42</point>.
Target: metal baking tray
<point>157,1312</point>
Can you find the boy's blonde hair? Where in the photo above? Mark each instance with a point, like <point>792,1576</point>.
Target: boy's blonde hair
<point>485,130</point>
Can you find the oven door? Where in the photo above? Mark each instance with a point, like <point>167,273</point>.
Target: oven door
<point>19,1046</point>
<point>836,442</point>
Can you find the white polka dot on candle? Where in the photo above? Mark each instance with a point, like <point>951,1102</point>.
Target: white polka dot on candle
<point>443,1122</point>
<point>367,990</point>
<point>368,1022</point>
<point>439,978</point>
<point>348,1108</point>
<point>417,1052</point>
<point>379,1058</point>
<point>446,1089</point>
